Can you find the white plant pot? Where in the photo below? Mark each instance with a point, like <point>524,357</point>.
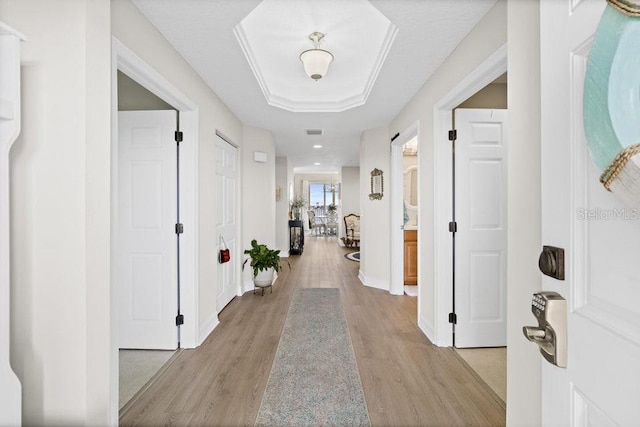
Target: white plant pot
<point>264,278</point>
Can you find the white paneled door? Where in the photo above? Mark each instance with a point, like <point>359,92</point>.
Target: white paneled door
<point>146,252</point>
<point>226,193</point>
<point>481,237</point>
<point>601,237</point>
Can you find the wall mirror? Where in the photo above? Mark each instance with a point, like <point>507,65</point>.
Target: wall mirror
<point>377,185</point>
<point>411,187</point>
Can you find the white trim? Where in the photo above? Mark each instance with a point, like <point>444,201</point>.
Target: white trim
<point>373,282</point>
<point>10,119</point>
<point>318,106</point>
<point>426,328</point>
<point>247,285</point>
<point>494,66</point>
<point>208,327</point>
<point>125,60</point>
<point>225,138</point>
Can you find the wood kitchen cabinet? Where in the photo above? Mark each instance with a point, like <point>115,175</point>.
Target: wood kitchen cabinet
<point>410,257</point>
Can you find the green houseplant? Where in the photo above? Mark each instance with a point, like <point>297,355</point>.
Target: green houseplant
<point>332,218</point>
<point>264,262</point>
<point>297,204</point>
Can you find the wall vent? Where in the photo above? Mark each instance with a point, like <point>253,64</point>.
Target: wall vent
<point>315,131</point>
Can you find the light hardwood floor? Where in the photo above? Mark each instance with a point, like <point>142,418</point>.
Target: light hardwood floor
<point>406,380</point>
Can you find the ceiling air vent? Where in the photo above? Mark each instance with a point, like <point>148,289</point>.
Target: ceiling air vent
<point>314,131</point>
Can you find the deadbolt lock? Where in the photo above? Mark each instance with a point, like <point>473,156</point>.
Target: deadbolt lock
<point>551,262</point>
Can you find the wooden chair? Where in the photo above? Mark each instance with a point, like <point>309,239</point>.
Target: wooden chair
<point>352,230</point>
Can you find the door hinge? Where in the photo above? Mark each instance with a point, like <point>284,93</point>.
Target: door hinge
<point>180,319</point>
<point>453,227</point>
<point>179,228</point>
<point>453,135</point>
<point>453,318</point>
<point>178,136</point>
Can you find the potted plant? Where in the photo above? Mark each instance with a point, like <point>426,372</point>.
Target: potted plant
<point>264,262</point>
<point>297,204</point>
<point>332,218</point>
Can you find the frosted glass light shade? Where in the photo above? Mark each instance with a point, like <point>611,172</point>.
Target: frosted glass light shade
<point>316,62</point>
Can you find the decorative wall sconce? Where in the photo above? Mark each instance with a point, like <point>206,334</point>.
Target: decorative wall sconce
<point>377,185</point>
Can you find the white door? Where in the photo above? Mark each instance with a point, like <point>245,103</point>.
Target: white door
<point>226,192</point>
<point>481,237</point>
<point>601,383</point>
<point>146,246</point>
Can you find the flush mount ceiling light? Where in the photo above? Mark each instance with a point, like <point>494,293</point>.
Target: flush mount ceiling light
<point>316,61</point>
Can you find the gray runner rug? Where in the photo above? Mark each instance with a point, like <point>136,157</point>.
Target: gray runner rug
<point>314,378</point>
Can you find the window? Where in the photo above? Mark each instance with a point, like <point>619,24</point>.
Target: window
<point>322,195</point>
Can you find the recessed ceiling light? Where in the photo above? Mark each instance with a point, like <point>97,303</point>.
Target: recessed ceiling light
<point>317,163</point>
<point>317,146</point>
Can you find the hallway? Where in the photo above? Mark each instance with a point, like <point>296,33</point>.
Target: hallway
<point>406,380</point>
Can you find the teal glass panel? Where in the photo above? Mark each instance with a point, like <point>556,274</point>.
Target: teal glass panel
<point>612,87</point>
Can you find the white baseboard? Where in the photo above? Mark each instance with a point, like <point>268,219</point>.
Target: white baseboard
<point>373,282</point>
<point>247,286</point>
<point>207,328</point>
<point>427,329</point>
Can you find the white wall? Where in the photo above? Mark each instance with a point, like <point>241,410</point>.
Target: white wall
<point>483,40</point>
<point>61,199</point>
<point>133,97</point>
<point>258,189</point>
<point>350,190</point>
<point>349,193</point>
<point>60,212</point>
<point>524,241</point>
<point>131,28</point>
<point>493,95</point>
<point>284,177</point>
<point>375,249</point>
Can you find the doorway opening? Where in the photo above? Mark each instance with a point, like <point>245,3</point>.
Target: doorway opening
<point>405,214</point>
<point>410,204</point>
<point>147,260</point>
<point>488,71</point>
<point>479,240</point>
<point>153,90</point>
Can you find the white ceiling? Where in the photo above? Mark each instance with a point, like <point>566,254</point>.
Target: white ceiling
<point>276,32</point>
<point>359,50</point>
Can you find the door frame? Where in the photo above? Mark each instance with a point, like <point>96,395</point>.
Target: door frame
<point>490,69</point>
<point>238,210</point>
<point>466,330</point>
<point>397,213</point>
<point>240,288</point>
<point>125,60</point>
